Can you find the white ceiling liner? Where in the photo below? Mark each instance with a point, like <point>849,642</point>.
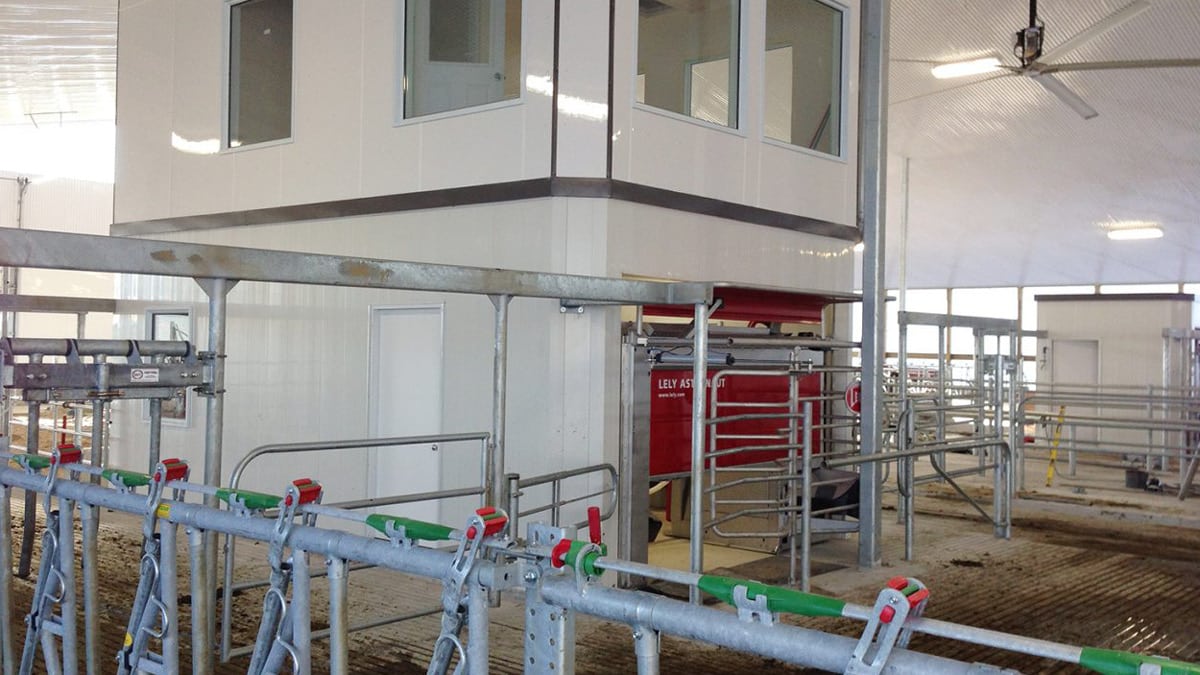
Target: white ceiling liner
<point>1007,184</point>
<point>58,60</point>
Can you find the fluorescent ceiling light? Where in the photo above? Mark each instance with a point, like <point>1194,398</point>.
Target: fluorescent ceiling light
<point>965,68</point>
<point>1137,232</point>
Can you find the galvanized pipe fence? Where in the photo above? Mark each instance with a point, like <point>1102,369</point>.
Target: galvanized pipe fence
<point>558,575</point>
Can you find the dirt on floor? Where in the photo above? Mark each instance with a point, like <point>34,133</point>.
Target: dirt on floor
<point>1076,580</point>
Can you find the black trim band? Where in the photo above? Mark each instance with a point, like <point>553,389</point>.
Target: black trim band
<point>534,188</point>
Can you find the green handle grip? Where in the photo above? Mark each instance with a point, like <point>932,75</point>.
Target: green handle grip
<point>255,501</point>
<point>413,529</point>
<point>1111,662</point>
<point>778,599</point>
<point>36,462</point>
<point>128,478</point>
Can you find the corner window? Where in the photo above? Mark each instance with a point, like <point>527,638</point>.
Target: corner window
<point>804,75</point>
<point>260,72</point>
<point>460,54</point>
<point>688,58</point>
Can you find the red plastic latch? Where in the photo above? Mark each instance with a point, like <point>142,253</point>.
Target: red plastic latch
<point>887,614</point>
<point>898,583</point>
<point>493,522</point>
<point>309,490</point>
<point>176,468</point>
<point>594,524</point>
<point>559,552</point>
<point>68,454</point>
<point>918,597</point>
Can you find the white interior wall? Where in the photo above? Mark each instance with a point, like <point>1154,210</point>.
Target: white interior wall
<point>1130,339</point>
<point>61,205</point>
<point>345,143</point>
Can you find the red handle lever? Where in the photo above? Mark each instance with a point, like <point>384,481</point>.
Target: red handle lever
<point>594,524</point>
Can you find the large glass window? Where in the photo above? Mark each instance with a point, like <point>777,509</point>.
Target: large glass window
<point>688,58</point>
<point>803,65</point>
<point>460,54</point>
<point>260,72</point>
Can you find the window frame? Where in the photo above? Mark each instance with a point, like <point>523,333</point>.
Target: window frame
<point>843,91</point>
<point>227,81</point>
<point>401,75</point>
<point>740,128</point>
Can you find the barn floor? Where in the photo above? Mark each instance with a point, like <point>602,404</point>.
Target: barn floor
<point>1098,565</point>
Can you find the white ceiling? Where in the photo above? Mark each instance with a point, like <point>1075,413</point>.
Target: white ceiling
<point>58,61</point>
<point>1006,184</point>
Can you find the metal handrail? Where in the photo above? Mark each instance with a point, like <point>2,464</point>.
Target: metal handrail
<point>235,478</point>
<point>555,479</point>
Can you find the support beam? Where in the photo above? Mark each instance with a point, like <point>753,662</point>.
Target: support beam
<point>872,193</point>
<point>57,250</point>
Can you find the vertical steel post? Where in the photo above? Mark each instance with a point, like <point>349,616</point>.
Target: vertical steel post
<point>477,629</point>
<point>169,590</point>
<point>338,618</point>
<point>203,599</point>
<point>872,198</point>
<point>89,517</point>
<point>634,502</point>
<point>6,643</point>
<point>794,465</point>
<point>902,420</point>
<point>499,396</point>
<point>300,612</point>
<point>202,653</point>
<point>699,391</point>
<point>646,647</point>
<point>29,523</point>
<point>512,494</point>
<point>66,562</point>
<point>806,516</point>
<point>155,432</point>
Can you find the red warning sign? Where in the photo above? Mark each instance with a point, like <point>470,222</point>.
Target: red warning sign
<point>854,397</point>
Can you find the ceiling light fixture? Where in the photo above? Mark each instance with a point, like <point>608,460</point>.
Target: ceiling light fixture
<point>1129,230</point>
<point>965,68</point>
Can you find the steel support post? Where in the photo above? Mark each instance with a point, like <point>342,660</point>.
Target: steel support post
<point>66,562</point>
<point>549,634</point>
<point>89,517</point>
<point>806,515</point>
<point>477,629</point>
<point>29,523</point>
<point>6,643</point>
<point>646,647</point>
<point>872,194</point>
<point>168,587</point>
<point>634,500</point>
<point>794,462</point>
<point>338,617</point>
<point>499,396</point>
<point>202,661</point>
<point>203,599</point>
<point>699,428</point>
<point>155,433</point>
<point>300,613</point>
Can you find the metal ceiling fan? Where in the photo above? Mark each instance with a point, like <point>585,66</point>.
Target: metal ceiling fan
<point>1038,65</point>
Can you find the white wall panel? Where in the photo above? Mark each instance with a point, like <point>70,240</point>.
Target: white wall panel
<point>647,240</point>
<point>146,75</point>
<point>583,90</point>
<point>323,161</point>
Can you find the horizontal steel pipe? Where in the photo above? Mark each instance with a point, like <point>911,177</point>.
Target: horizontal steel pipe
<point>415,560</point>
<point>789,644</point>
<point>57,347</point>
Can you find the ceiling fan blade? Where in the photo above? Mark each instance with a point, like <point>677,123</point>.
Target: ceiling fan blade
<point>1097,29</point>
<point>946,89</point>
<point>1065,95</point>
<point>1120,65</point>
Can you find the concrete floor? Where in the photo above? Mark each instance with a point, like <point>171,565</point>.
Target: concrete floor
<point>1107,567</point>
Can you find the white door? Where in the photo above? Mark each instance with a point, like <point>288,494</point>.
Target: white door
<point>406,400</point>
<point>458,53</point>
<point>1076,362</point>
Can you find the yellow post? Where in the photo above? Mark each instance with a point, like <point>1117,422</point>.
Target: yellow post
<point>1057,438</point>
